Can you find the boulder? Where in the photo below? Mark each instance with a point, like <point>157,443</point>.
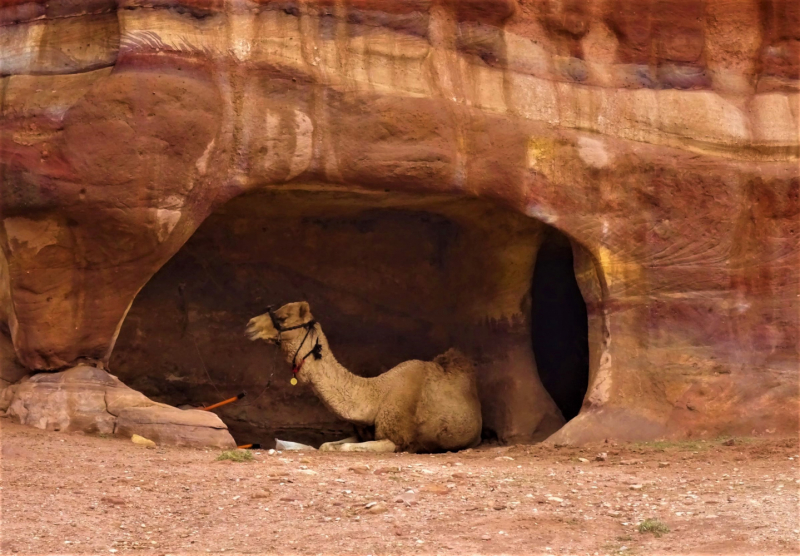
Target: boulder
<point>88,399</point>
<point>72,400</point>
<point>177,427</point>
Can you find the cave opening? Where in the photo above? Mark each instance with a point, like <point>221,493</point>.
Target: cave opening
<point>389,278</point>
<point>559,325</point>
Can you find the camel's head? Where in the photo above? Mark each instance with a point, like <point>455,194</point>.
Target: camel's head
<point>290,319</point>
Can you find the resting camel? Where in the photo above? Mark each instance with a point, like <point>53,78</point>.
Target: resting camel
<point>418,406</point>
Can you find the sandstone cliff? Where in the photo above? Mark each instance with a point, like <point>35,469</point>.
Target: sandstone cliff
<point>660,136</point>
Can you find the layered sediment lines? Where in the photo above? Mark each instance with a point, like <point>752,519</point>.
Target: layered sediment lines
<point>660,136</point>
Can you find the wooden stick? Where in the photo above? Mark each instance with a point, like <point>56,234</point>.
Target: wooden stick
<point>223,402</point>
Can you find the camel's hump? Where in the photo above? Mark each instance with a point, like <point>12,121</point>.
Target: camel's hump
<point>453,361</point>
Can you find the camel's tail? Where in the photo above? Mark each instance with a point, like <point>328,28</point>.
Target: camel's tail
<point>453,361</point>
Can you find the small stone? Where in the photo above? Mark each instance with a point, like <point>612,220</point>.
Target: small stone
<point>378,509</point>
<point>387,470</point>
<point>271,452</point>
<point>113,500</point>
<point>635,487</point>
<point>602,456</point>
<point>370,504</point>
<point>486,537</point>
<point>305,460</point>
<point>630,461</point>
<point>663,464</point>
<point>259,495</point>
<point>499,506</point>
<point>307,472</point>
<point>142,441</point>
<point>583,460</point>
<point>729,442</point>
<point>459,476</point>
<point>359,469</point>
<point>504,458</point>
<point>434,488</point>
<point>408,498</point>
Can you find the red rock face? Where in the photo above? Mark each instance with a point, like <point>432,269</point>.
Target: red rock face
<point>660,136</point>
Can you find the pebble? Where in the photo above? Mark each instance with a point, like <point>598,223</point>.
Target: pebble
<point>583,460</point>
<point>434,488</point>
<point>486,537</point>
<point>385,470</point>
<point>142,441</point>
<point>378,508</point>
<point>635,487</point>
<point>602,456</point>
<point>663,464</point>
<point>409,498</point>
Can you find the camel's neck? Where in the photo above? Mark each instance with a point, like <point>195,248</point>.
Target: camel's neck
<point>348,396</point>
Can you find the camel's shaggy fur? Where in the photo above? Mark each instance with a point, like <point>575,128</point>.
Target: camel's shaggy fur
<point>418,406</point>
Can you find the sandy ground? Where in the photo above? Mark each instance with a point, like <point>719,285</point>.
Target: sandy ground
<point>70,493</point>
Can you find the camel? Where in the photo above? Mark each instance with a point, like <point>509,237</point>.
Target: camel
<point>417,406</point>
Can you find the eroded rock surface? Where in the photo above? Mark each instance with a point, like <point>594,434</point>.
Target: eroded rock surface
<point>90,400</point>
<point>661,137</point>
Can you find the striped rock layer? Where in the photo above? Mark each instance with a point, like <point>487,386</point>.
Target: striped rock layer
<point>660,136</point>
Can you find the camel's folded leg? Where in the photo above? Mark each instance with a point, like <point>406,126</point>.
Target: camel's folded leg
<point>333,446</point>
<point>377,446</point>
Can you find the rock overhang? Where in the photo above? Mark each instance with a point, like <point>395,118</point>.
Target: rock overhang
<point>682,185</point>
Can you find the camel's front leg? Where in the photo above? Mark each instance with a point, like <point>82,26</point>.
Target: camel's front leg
<point>334,446</point>
<point>376,446</point>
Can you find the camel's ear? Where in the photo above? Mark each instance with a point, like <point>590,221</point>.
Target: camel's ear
<point>304,311</point>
